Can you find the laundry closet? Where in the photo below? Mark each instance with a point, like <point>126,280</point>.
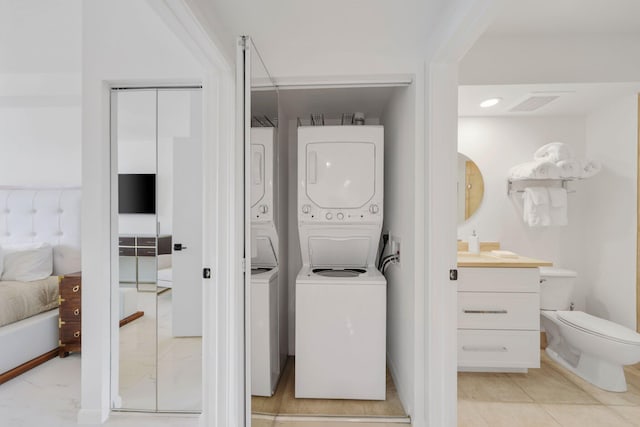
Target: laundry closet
<point>334,171</point>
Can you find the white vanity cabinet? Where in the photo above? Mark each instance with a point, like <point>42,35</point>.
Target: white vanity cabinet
<point>498,319</point>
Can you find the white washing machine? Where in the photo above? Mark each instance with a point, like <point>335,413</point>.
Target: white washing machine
<point>265,331</point>
<point>267,360</point>
<point>340,295</point>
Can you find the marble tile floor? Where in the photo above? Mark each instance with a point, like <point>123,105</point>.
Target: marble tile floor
<point>49,396</point>
<point>150,360</point>
<point>549,396</point>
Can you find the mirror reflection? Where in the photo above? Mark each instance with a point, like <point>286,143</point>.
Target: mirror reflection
<point>470,188</point>
<point>269,300</point>
<point>159,180</point>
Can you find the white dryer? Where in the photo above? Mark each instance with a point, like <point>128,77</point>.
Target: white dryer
<point>340,295</point>
<point>262,167</point>
<point>266,358</point>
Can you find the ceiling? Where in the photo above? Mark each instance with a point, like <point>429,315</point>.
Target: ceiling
<point>573,98</point>
<point>559,20</point>
<point>331,36</point>
<point>564,17</point>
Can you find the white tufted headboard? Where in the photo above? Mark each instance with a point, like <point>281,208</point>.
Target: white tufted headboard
<point>44,215</point>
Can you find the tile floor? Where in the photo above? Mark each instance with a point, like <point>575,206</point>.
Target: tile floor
<point>549,396</point>
<point>283,402</point>
<point>159,370</point>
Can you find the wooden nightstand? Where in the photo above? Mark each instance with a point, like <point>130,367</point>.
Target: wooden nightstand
<point>70,320</point>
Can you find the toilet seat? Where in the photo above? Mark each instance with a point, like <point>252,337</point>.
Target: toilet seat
<point>600,327</point>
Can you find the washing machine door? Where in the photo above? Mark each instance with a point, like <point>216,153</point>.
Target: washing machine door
<point>341,175</point>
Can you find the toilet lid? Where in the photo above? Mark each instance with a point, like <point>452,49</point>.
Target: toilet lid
<point>597,326</point>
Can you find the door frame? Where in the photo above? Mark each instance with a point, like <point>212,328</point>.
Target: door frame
<point>222,361</point>
<point>459,29</point>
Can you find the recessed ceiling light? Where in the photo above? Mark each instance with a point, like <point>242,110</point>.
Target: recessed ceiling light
<point>490,102</point>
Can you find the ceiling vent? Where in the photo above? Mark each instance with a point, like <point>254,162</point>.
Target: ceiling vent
<point>534,102</point>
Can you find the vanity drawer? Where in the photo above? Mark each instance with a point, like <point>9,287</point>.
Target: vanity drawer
<point>498,349</point>
<point>499,310</point>
<point>481,279</point>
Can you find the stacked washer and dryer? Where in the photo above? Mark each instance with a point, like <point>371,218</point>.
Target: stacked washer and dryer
<point>268,354</point>
<point>340,294</point>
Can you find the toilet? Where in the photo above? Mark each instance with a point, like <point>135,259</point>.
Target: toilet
<point>594,349</point>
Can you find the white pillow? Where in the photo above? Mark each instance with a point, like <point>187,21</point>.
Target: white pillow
<point>27,262</point>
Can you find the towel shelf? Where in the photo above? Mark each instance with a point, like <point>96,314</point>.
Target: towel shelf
<point>538,183</point>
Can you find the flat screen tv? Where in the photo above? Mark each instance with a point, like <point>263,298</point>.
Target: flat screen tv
<point>137,193</point>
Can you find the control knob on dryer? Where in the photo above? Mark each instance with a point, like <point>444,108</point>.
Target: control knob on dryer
<point>374,209</point>
<point>340,216</point>
<point>329,215</point>
<point>306,209</point>
<point>264,209</point>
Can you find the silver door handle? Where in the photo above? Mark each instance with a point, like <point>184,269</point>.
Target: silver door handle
<point>486,311</point>
<point>484,348</point>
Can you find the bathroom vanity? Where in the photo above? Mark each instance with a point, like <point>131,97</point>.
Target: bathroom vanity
<point>498,312</point>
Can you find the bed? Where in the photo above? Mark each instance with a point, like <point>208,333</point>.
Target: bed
<point>37,215</point>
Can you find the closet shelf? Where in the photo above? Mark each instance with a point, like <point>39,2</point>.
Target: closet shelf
<point>539,182</point>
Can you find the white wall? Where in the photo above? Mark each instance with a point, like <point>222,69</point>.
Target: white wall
<point>398,119</point>
<point>496,144</point>
<point>40,93</point>
<point>123,41</point>
<point>610,221</point>
<point>517,59</point>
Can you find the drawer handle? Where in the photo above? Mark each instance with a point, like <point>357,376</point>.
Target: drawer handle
<point>486,311</point>
<point>76,288</point>
<point>60,323</point>
<point>76,334</point>
<point>76,311</point>
<point>485,348</point>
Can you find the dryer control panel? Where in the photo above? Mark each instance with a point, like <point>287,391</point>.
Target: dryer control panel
<point>371,213</point>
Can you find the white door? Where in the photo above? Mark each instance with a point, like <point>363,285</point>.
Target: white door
<point>341,174</point>
<point>187,228</point>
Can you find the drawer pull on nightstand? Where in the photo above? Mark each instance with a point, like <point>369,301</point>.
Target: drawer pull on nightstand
<point>60,300</point>
<point>76,334</point>
<point>485,311</point>
<point>76,288</point>
<point>60,323</point>
<point>492,349</point>
<point>76,311</point>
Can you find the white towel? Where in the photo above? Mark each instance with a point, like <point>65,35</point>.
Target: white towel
<point>558,206</point>
<point>553,152</point>
<point>536,207</point>
<point>537,169</point>
<point>571,168</point>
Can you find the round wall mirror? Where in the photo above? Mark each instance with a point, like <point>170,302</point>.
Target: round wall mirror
<point>470,188</point>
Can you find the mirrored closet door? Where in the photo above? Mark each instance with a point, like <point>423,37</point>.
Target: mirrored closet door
<point>157,197</point>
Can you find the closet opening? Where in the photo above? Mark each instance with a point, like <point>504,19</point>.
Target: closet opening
<point>305,136</point>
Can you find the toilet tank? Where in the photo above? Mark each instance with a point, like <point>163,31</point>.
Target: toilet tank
<point>556,287</point>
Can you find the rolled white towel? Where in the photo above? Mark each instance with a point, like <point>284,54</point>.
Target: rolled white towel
<point>535,169</point>
<point>571,168</point>
<point>553,152</point>
<point>590,168</point>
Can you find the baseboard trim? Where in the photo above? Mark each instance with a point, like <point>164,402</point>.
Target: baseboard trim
<point>131,318</point>
<point>19,370</point>
<point>402,393</point>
